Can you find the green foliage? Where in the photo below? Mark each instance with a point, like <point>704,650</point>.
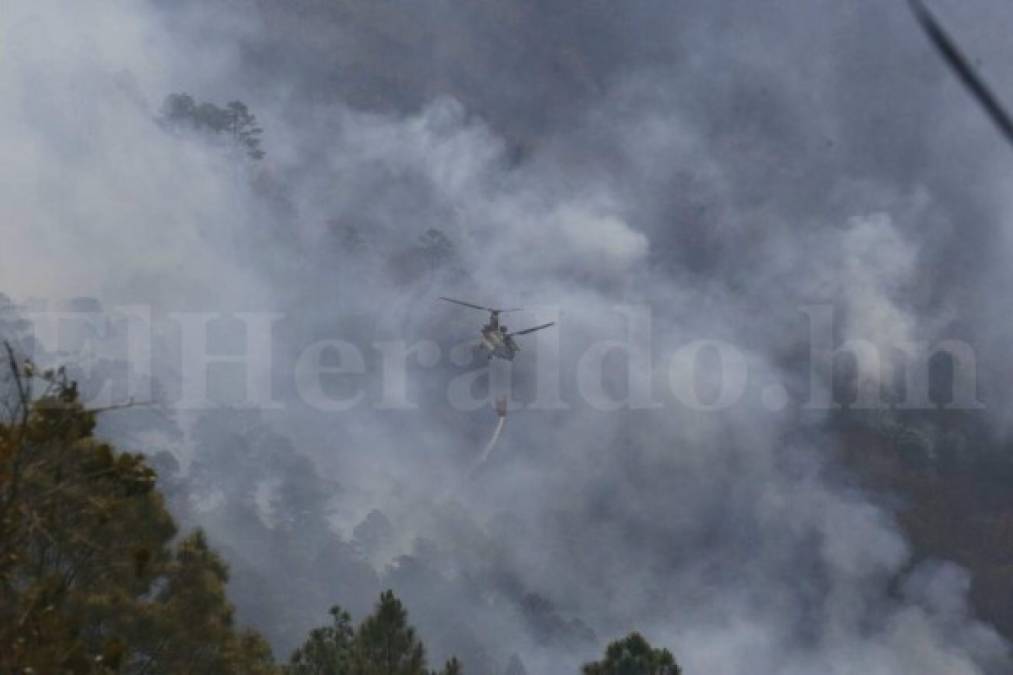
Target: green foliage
<point>92,583</point>
<point>89,579</point>
<point>383,644</point>
<point>327,649</point>
<point>234,121</point>
<point>633,655</point>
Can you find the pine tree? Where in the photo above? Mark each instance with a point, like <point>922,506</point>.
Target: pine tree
<point>385,644</point>
<point>633,655</point>
<point>327,649</point>
<point>242,125</point>
<point>453,667</point>
<point>436,248</point>
<point>89,580</point>
<point>234,120</point>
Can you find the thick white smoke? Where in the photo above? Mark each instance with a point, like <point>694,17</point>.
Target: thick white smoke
<point>728,536</point>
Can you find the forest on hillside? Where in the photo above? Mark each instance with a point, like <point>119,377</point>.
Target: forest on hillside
<point>95,576</point>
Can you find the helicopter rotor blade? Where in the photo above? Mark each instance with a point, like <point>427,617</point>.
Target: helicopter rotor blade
<point>532,330</point>
<point>486,309</point>
<point>960,64</point>
<point>467,304</point>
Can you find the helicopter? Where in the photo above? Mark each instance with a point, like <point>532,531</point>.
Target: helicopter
<point>496,340</point>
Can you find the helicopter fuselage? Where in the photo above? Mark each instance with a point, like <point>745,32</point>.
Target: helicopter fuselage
<point>495,343</point>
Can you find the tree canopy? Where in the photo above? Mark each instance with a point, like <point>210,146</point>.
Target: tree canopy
<point>95,580</point>
<point>90,580</point>
<point>383,644</point>
<point>633,655</point>
<point>234,121</point>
